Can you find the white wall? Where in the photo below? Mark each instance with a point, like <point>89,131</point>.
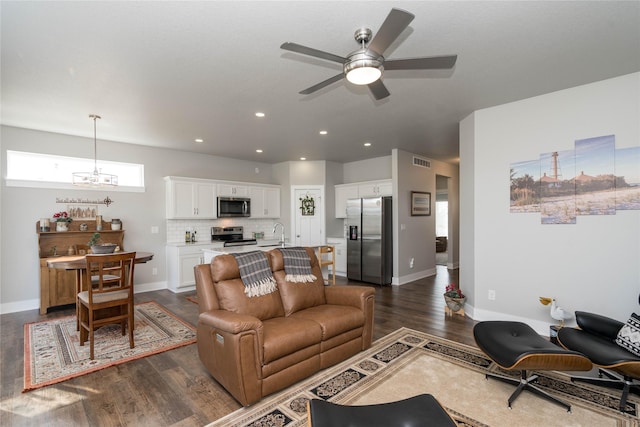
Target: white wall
<point>367,170</point>
<point>593,265</point>
<point>22,207</point>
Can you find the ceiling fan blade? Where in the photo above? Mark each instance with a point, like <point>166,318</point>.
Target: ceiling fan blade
<point>378,89</point>
<point>320,85</point>
<point>430,63</point>
<point>396,22</point>
<point>294,47</point>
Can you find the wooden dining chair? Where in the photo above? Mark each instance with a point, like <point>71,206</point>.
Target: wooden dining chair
<point>109,299</point>
<point>327,257</point>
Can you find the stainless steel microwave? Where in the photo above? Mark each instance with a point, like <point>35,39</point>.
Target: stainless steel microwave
<point>234,207</point>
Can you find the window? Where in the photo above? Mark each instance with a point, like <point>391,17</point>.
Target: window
<point>51,171</point>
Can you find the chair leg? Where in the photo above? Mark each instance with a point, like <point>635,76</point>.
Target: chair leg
<point>526,383</point>
<point>614,380</point>
<point>130,321</point>
<point>91,333</point>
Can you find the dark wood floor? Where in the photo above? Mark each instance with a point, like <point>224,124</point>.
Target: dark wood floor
<point>173,388</point>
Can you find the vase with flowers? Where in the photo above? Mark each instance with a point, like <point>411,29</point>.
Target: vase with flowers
<point>62,220</point>
<point>454,298</point>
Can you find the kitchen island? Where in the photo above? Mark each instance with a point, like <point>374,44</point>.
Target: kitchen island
<point>266,245</point>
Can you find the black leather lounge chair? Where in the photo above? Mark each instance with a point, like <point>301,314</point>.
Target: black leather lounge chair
<point>419,411</point>
<point>596,339</point>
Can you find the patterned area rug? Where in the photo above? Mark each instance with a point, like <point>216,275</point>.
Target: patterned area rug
<point>407,362</point>
<point>52,351</point>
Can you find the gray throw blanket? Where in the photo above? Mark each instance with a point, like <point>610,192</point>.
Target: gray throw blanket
<point>297,265</point>
<point>255,273</point>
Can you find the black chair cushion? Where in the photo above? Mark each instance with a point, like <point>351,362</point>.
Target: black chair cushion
<point>419,411</point>
<point>507,342</point>
<point>605,327</point>
<point>602,351</point>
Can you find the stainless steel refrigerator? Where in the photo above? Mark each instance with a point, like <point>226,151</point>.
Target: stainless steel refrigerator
<point>370,243</point>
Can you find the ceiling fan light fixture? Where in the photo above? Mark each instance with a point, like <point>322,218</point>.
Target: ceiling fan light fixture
<point>364,75</point>
<point>95,178</point>
<point>362,68</point>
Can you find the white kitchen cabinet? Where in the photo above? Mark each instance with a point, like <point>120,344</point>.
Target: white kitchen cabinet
<point>180,263</point>
<point>375,188</point>
<point>356,190</point>
<point>340,245</point>
<point>233,190</point>
<point>265,202</point>
<point>344,192</point>
<point>190,198</point>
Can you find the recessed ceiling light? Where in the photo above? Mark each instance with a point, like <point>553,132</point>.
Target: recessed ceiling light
<point>303,158</point>
<point>323,132</point>
<point>258,151</point>
<point>259,114</point>
<point>199,140</point>
<point>367,144</point>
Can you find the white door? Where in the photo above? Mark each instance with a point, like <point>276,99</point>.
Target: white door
<point>309,216</point>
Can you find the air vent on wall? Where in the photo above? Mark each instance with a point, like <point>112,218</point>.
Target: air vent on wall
<point>423,163</point>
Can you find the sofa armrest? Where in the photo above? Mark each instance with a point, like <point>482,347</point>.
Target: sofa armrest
<point>362,297</point>
<point>599,325</point>
<point>355,296</point>
<point>230,347</point>
<point>230,322</point>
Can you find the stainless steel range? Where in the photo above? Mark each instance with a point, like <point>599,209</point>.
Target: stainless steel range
<point>231,236</point>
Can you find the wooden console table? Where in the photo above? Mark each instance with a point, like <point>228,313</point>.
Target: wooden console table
<point>58,286</point>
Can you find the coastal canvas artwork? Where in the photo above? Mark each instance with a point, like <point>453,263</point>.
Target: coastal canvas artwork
<point>594,178</point>
<point>628,178</point>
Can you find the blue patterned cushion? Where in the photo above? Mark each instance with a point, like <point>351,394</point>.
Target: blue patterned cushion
<point>629,335</point>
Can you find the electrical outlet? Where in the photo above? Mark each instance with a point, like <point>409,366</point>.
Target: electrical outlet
<point>492,295</point>
<point>154,271</point>
<point>411,263</point>
<point>154,229</point>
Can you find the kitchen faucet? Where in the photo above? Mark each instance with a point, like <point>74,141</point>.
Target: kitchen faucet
<point>282,235</point>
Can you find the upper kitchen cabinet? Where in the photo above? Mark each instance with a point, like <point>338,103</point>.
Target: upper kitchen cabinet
<point>357,190</point>
<point>344,192</point>
<point>265,202</point>
<point>375,188</point>
<point>233,190</point>
<point>190,198</point>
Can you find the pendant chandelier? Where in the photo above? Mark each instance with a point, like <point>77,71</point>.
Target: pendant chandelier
<point>95,178</point>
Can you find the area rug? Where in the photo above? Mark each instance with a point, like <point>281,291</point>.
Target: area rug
<point>52,351</point>
<point>407,362</point>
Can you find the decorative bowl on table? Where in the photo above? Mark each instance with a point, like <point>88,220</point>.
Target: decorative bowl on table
<point>105,248</point>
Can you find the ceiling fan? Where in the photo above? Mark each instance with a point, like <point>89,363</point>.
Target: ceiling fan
<point>366,65</point>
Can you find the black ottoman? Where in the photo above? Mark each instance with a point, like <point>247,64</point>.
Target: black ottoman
<point>516,346</point>
<point>419,411</point>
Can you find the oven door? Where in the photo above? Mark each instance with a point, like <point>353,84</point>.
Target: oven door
<point>234,207</point>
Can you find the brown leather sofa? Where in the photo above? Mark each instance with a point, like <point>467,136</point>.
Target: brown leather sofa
<point>256,346</point>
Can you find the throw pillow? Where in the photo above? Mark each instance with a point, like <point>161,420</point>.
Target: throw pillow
<point>629,335</point>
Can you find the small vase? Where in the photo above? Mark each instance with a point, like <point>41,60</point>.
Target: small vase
<point>62,226</point>
<point>455,304</point>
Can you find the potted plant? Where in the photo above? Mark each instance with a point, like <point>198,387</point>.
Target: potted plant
<point>454,297</point>
<point>62,220</point>
<point>97,248</point>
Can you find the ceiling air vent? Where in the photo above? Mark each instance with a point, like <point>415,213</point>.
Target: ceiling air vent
<point>423,163</point>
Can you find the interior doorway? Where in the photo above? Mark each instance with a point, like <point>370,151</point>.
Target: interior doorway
<point>442,220</point>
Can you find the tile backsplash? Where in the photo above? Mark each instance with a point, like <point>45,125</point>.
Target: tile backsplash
<point>176,227</point>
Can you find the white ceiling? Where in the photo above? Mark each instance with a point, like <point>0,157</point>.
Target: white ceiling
<point>165,73</point>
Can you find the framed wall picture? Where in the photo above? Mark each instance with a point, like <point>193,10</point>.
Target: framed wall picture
<point>420,203</point>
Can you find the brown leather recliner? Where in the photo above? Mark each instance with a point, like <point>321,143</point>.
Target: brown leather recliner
<point>256,346</point>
